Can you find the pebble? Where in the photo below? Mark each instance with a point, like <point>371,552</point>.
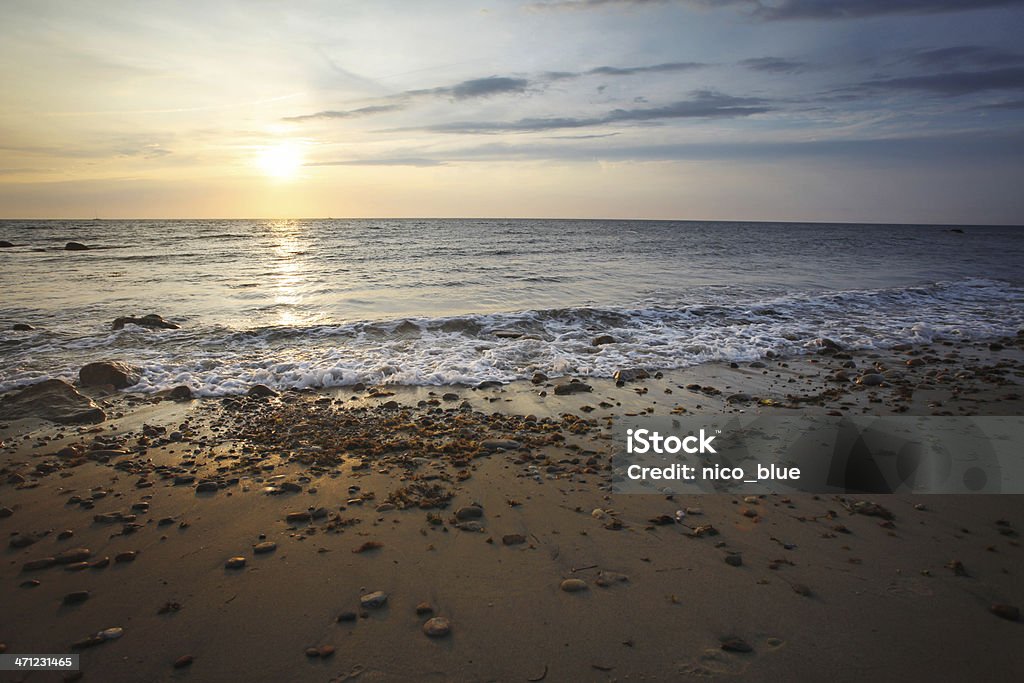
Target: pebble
<point>31,583</point>
<point>111,633</point>
<point>574,585</point>
<point>424,608</point>
<point>41,563</point>
<point>437,627</point>
<point>469,512</point>
<point>73,555</point>
<point>126,556</point>
<point>298,517</point>
<point>183,661</point>
<point>347,616</point>
<point>736,645</point>
<point>470,526</point>
<point>513,539</point>
<point>1008,612</point>
<point>264,547</point>
<point>871,380</point>
<point>373,600</point>
<point>326,650</point>
<point>207,487</point>
<point>235,563</point>
<point>734,560</point>
<point>76,597</point>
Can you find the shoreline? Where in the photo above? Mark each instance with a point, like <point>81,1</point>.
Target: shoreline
<point>360,495</point>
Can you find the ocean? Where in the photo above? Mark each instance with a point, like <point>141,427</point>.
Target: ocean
<point>308,303</point>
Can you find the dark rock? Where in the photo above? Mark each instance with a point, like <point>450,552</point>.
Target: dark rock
<point>539,378</point>
<point>347,616</point>
<point>207,487</point>
<point>424,608</point>
<point>733,644</point>
<point>5,512</point>
<point>500,444</point>
<point>183,661</point>
<point>180,393</point>
<point>261,391</point>
<point>602,340</point>
<point>734,560</point>
<point>41,563</point>
<point>152,321</point>
<point>264,547</point>
<point>872,379</point>
<point>108,372</point>
<point>73,555</point>
<point>513,539</point>
<point>739,398</point>
<point>75,246</point>
<point>1008,612</point>
<point>295,517</point>
<point>469,512</point>
<point>53,400</point>
<point>373,600</point>
<point>571,388</point>
<point>126,556</point>
<point>4,244</point>
<point>76,597</point>
<point>630,375</point>
<point>22,327</point>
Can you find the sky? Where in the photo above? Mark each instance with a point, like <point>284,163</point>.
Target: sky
<point>892,111</point>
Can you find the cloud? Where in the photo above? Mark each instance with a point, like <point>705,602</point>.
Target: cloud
<point>953,83</point>
<point>959,56</point>
<point>348,113</point>
<point>703,105</point>
<point>400,161</point>
<point>1012,105</point>
<point>777,10</point>
<point>667,67</point>
<point>773,65</point>
<point>476,87</point>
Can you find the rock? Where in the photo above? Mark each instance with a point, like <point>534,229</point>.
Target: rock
<point>126,556</point>
<point>75,246</point>
<point>373,600</point>
<point>347,616</point>
<point>424,608</point>
<point>872,379</point>
<point>264,547</point>
<point>449,396</point>
<point>183,661</point>
<point>489,384</point>
<point>152,321</point>
<point>630,375</point>
<point>469,512</point>
<point>602,340</point>
<point>5,512</point>
<point>261,391</point>
<point>437,627</point>
<point>108,372</point>
<point>739,398</point>
<point>22,327</point>
<point>513,539</point>
<point>501,444</point>
<point>733,644</point>
<point>180,393</point>
<point>76,597</point>
<point>539,378</point>
<point>53,400</point>
<point>111,633</point>
<point>385,507</point>
<point>4,244</point>
<point>312,652</point>
<point>571,388</point>
<point>326,650</point>
<point>734,560</point>
<point>1008,612</point>
<point>41,563</point>
<point>757,365</point>
<point>295,517</point>
<point>235,563</point>
<point>507,334</point>
<point>73,555</point>
<point>573,585</point>
<point>207,487</point>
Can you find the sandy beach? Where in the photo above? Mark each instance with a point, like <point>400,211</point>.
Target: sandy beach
<point>488,511</point>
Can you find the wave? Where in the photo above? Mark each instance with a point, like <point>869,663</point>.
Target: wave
<point>514,345</point>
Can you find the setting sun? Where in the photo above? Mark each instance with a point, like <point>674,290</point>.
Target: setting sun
<point>281,160</point>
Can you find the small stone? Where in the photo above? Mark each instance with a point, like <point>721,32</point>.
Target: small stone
<point>31,583</point>
<point>573,585</point>
<point>373,600</point>
<point>734,560</point>
<point>298,517</point>
<point>126,556</point>
<point>235,563</point>
<point>264,547</point>
<point>437,627</point>
<point>76,597</point>
<point>73,555</point>
<point>872,379</point>
<point>1008,612</point>
<point>469,512</point>
<point>513,539</point>
<point>347,616</point>
<point>733,644</point>
<point>326,650</point>
<point>802,589</point>
<point>207,487</point>
<point>739,398</point>
<point>572,388</point>
<point>111,633</point>
<point>473,526</point>
<point>312,652</point>
<point>183,661</point>
<point>424,608</point>
<point>41,563</point>
<point>385,507</point>
<point>261,391</point>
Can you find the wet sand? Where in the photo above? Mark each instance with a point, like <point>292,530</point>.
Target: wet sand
<point>421,493</point>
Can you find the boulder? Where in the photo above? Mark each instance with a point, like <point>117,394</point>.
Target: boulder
<point>22,327</point>
<point>75,246</point>
<point>4,244</point>
<point>108,372</point>
<point>261,391</point>
<point>54,400</point>
<point>571,388</point>
<point>152,321</point>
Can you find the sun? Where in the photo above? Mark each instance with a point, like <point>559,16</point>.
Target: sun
<point>282,160</point>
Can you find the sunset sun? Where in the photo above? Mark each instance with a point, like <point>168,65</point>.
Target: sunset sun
<point>282,160</point>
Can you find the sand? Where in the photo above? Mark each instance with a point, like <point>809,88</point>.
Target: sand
<point>818,593</point>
